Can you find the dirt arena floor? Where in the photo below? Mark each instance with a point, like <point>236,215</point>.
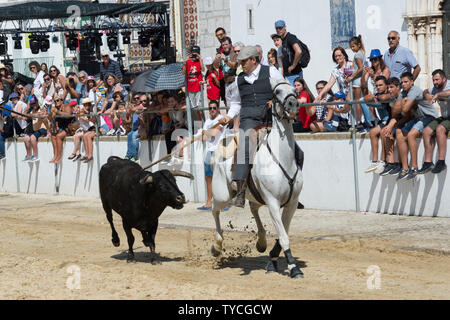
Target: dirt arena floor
<point>58,247</point>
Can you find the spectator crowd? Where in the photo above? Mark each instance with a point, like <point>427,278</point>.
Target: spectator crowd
<point>392,109</point>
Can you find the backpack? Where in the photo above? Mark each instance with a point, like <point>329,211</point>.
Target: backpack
<point>304,58</point>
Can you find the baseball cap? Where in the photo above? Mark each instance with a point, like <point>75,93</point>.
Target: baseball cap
<point>195,49</point>
<point>248,52</point>
<point>280,24</point>
<point>13,96</point>
<point>105,53</point>
<point>86,100</point>
<point>2,66</point>
<point>73,103</point>
<point>275,36</point>
<point>340,94</point>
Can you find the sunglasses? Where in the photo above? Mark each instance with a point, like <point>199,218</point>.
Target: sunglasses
<point>213,108</point>
<point>219,35</point>
<point>47,79</point>
<point>237,51</point>
<point>392,38</point>
<point>143,101</point>
<point>81,78</point>
<point>105,56</point>
<point>53,70</point>
<point>58,100</point>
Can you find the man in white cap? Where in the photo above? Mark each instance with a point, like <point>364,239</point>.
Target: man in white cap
<point>250,97</point>
<point>109,66</point>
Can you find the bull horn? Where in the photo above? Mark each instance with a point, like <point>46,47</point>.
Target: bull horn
<point>178,173</point>
<point>146,180</point>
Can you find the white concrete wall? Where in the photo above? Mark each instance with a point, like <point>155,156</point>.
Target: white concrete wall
<point>310,21</point>
<point>328,176</point>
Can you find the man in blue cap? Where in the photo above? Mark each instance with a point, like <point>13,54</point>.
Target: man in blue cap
<point>291,53</point>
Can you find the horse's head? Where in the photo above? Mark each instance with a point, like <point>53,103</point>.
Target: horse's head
<point>286,103</point>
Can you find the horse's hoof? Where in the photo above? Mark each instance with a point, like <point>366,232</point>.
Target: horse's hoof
<point>214,251</point>
<point>261,248</point>
<point>296,273</point>
<point>272,266</point>
<point>115,243</point>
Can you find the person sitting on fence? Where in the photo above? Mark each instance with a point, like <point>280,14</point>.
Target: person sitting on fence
<point>384,112</point>
<point>20,122</point>
<point>304,95</point>
<point>116,121</point>
<point>388,134</point>
<point>60,126</point>
<point>37,130</point>
<point>415,114</point>
<point>112,86</point>
<point>178,116</point>
<point>87,125</point>
<point>377,68</point>
<point>133,142</point>
<point>118,115</point>
<point>438,129</point>
<point>336,120</point>
<point>321,112</point>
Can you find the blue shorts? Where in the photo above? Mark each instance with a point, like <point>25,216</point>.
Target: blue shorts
<point>417,123</point>
<point>332,126</point>
<point>39,133</point>
<point>208,168</point>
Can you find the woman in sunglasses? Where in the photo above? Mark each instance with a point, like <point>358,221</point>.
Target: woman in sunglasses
<point>37,130</point>
<point>35,68</point>
<point>58,81</point>
<point>60,126</point>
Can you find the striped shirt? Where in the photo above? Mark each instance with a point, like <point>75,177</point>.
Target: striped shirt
<point>113,67</point>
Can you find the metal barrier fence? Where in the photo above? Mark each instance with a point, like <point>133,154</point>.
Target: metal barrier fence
<point>190,123</point>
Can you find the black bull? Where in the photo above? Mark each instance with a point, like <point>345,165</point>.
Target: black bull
<point>139,197</point>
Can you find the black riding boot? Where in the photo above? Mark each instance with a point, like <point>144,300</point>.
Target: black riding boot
<point>239,200</point>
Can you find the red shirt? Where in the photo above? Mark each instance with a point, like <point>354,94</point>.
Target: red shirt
<point>212,89</point>
<point>193,75</point>
<point>304,118</point>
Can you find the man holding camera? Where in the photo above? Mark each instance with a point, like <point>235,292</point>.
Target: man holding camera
<point>227,62</point>
<point>193,68</point>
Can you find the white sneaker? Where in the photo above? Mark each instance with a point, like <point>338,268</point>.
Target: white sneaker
<point>381,167</point>
<point>27,159</point>
<point>111,132</point>
<point>34,159</point>
<point>122,131</point>
<point>373,166</point>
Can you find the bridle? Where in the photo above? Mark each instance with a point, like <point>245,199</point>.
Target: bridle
<point>276,101</point>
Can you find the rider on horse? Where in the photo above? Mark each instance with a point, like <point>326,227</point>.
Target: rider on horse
<point>251,97</point>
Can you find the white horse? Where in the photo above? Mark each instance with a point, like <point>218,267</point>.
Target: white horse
<point>277,178</point>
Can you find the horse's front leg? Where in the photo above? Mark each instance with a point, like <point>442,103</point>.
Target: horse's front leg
<point>261,244</point>
<point>282,243</point>
<point>216,248</point>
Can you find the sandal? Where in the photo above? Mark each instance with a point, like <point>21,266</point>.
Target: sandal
<point>77,157</point>
<point>72,156</point>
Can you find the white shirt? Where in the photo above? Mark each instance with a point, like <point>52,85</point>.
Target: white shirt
<point>234,98</point>
<point>20,107</point>
<point>214,141</point>
<point>38,81</point>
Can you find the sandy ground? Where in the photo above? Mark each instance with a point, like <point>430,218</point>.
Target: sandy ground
<point>58,247</point>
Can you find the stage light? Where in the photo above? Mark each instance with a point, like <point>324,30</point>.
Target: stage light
<point>17,41</point>
<point>126,37</point>
<point>44,42</point>
<point>158,48</point>
<point>143,38</point>
<point>98,38</point>
<point>72,41</point>
<point>34,43</point>
<point>3,45</point>
<point>112,41</point>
